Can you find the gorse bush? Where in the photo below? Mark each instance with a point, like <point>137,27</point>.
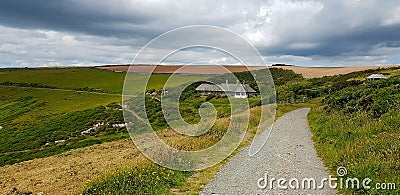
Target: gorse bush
<point>39,85</point>
<point>21,84</point>
<point>300,88</point>
<point>280,77</point>
<point>9,112</point>
<point>376,98</point>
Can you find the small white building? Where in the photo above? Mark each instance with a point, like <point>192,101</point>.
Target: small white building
<point>375,77</point>
<point>1,127</point>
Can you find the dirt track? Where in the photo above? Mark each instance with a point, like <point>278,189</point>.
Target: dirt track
<point>289,153</point>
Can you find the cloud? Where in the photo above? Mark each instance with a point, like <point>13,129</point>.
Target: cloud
<point>12,49</point>
<point>52,48</point>
<point>393,17</point>
<point>303,45</point>
<point>65,32</point>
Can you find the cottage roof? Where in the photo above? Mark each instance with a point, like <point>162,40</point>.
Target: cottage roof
<point>226,88</point>
<point>208,87</point>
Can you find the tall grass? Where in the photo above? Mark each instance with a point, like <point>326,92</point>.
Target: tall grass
<point>366,146</point>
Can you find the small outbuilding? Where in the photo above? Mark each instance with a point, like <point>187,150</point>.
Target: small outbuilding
<point>226,89</point>
<point>375,77</point>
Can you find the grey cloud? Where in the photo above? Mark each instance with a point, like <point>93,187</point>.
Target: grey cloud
<point>69,15</point>
<point>336,29</point>
<point>122,18</point>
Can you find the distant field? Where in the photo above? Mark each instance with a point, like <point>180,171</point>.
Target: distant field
<point>194,70</point>
<point>66,78</point>
<point>307,72</point>
<point>315,72</point>
<point>78,78</point>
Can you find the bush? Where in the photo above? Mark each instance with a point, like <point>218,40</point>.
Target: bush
<point>210,97</point>
<point>149,179</point>
<point>376,98</point>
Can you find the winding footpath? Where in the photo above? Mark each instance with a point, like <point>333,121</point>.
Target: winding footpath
<point>289,154</point>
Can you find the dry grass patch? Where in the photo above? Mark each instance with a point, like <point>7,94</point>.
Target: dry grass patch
<point>67,172</point>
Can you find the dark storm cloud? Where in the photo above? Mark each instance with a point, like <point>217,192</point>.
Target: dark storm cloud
<point>121,18</point>
<point>335,29</point>
<point>358,42</point>
<point>70,15</point>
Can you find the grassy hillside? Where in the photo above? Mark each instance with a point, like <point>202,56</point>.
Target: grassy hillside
<point>39,107</point>
<point>359,127</point>
<point>33,119</point>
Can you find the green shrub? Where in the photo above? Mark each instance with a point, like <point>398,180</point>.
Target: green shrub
<point>149,179</point>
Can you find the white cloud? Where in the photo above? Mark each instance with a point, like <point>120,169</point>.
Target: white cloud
<point>303,45</point>
<point>12,49</point>
<point>393,17</point>
<point>255,37</point>
<point>69,40</point>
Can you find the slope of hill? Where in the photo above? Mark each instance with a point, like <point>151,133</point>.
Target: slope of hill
<point>47,111</point>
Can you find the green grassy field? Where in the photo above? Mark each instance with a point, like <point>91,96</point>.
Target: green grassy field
<point>80,78</point>
<point>57,101</point>
<point>67,78</point>
<point>41,106</point>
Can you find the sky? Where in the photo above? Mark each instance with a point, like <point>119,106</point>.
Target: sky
<point>44,33</point>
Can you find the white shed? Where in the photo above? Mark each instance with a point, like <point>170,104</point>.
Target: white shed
<point>375,77</point>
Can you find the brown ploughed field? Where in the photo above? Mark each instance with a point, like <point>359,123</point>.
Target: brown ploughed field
<point>193,69</point>
<point>307,72</point>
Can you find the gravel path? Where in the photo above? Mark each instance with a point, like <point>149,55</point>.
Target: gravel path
<point>289,153</point>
